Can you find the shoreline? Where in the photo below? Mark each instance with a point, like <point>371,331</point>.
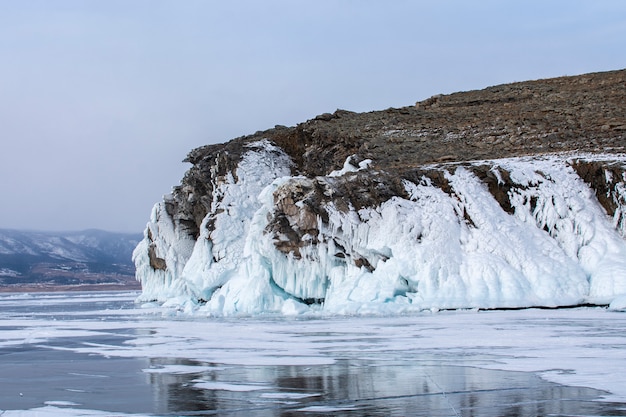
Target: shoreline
<point>69,288</point>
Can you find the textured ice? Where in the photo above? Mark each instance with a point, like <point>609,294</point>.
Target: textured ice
<point>433,250</point>
<point>581,347</point>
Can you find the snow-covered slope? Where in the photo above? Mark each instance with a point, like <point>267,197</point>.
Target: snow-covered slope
<point>35,258</point>
<point>82,246</point>
<point>448,245</point>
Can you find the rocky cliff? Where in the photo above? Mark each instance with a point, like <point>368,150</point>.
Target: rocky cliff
<point>510,196</point>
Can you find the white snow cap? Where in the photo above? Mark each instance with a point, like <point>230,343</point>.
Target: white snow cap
<point>348,166</point>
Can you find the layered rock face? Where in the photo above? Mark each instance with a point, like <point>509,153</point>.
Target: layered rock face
<point>511,196</point>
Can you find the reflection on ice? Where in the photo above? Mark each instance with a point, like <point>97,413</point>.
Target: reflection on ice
<point>397,388</point>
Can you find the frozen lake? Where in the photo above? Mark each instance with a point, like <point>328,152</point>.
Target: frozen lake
<point>99,354</point>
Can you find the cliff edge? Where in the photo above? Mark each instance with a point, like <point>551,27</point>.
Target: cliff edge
<point>511,196</point>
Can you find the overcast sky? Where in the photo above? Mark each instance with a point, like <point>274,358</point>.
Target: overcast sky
<point>101,100</point>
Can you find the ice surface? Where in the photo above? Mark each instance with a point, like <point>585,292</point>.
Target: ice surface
<point>195,269</point>
<point>433,250</point>
<point>577,347</point>
<point>54,410</point>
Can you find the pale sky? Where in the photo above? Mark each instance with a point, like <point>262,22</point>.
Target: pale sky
<point>101,100</point>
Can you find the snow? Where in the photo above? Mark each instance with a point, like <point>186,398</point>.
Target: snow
<point>180,369</point>
<point>61,403</point>
<point>223,386</point>
<point>7,272</point>
<point>326,409</point>
<point>287,395</point>
<point>9,246</point>
<point>434,250</point>
<point>348,166</point>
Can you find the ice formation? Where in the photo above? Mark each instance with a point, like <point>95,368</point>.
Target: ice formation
<point>550,243</point>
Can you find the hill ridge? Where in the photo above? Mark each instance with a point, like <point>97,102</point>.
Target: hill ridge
<point>54,260</point>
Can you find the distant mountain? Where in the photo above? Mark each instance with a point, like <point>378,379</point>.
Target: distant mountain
<point>32,260</point>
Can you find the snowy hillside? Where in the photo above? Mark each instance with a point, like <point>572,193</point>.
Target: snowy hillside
<point>94,256</point>
<point>74,246</point>
<point>270,223</point>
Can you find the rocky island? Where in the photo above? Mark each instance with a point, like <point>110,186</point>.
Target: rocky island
<point>507,197</point>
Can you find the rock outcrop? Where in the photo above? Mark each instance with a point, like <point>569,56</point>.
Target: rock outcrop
<point>510,196</point>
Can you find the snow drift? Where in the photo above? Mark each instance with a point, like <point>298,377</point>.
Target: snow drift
<point>504,233</point>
